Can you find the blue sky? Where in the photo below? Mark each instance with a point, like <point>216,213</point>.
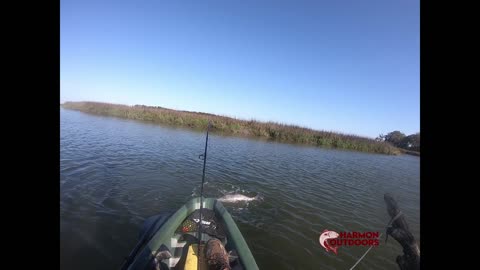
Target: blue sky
<point>347,66</point>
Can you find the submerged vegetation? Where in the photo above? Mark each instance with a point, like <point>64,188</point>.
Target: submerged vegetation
<point>236,127</point>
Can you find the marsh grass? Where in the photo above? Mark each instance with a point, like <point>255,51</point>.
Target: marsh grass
<point>235,127</point>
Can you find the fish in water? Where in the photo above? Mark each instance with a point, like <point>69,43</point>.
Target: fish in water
<point>324,237</point>
<point>232,198</point>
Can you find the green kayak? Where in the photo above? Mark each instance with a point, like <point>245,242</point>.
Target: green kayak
<point>170,240</point>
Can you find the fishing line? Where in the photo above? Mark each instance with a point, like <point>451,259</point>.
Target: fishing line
<point>364,254</point>
<point>388,225</point>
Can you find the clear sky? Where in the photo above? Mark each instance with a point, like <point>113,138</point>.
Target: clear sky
<point>347,66</point>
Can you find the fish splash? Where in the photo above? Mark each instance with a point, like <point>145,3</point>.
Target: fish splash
<point>233,198</point>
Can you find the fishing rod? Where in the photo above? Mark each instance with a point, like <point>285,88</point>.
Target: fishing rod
<point>204,157</point>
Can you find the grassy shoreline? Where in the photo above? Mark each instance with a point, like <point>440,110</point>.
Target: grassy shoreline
<point>234,127</point>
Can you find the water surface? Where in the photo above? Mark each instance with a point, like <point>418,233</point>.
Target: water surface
<point>114,173</point>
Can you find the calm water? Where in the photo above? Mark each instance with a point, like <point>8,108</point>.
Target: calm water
<point>114,173</point>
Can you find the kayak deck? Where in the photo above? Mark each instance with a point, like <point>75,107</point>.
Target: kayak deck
<point>177,236</point>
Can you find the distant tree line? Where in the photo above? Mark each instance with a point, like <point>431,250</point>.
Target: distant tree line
<point>400,140</point>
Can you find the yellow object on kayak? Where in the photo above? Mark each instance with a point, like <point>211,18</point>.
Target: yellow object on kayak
<point>192,258</point>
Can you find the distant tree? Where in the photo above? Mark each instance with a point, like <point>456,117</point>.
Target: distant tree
<point>395,137</point>
<point>398,139</point>
<point>404,143</point>
<point>412,142</point>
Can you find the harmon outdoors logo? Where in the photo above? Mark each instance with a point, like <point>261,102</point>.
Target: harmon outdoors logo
<point>332,240</point>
